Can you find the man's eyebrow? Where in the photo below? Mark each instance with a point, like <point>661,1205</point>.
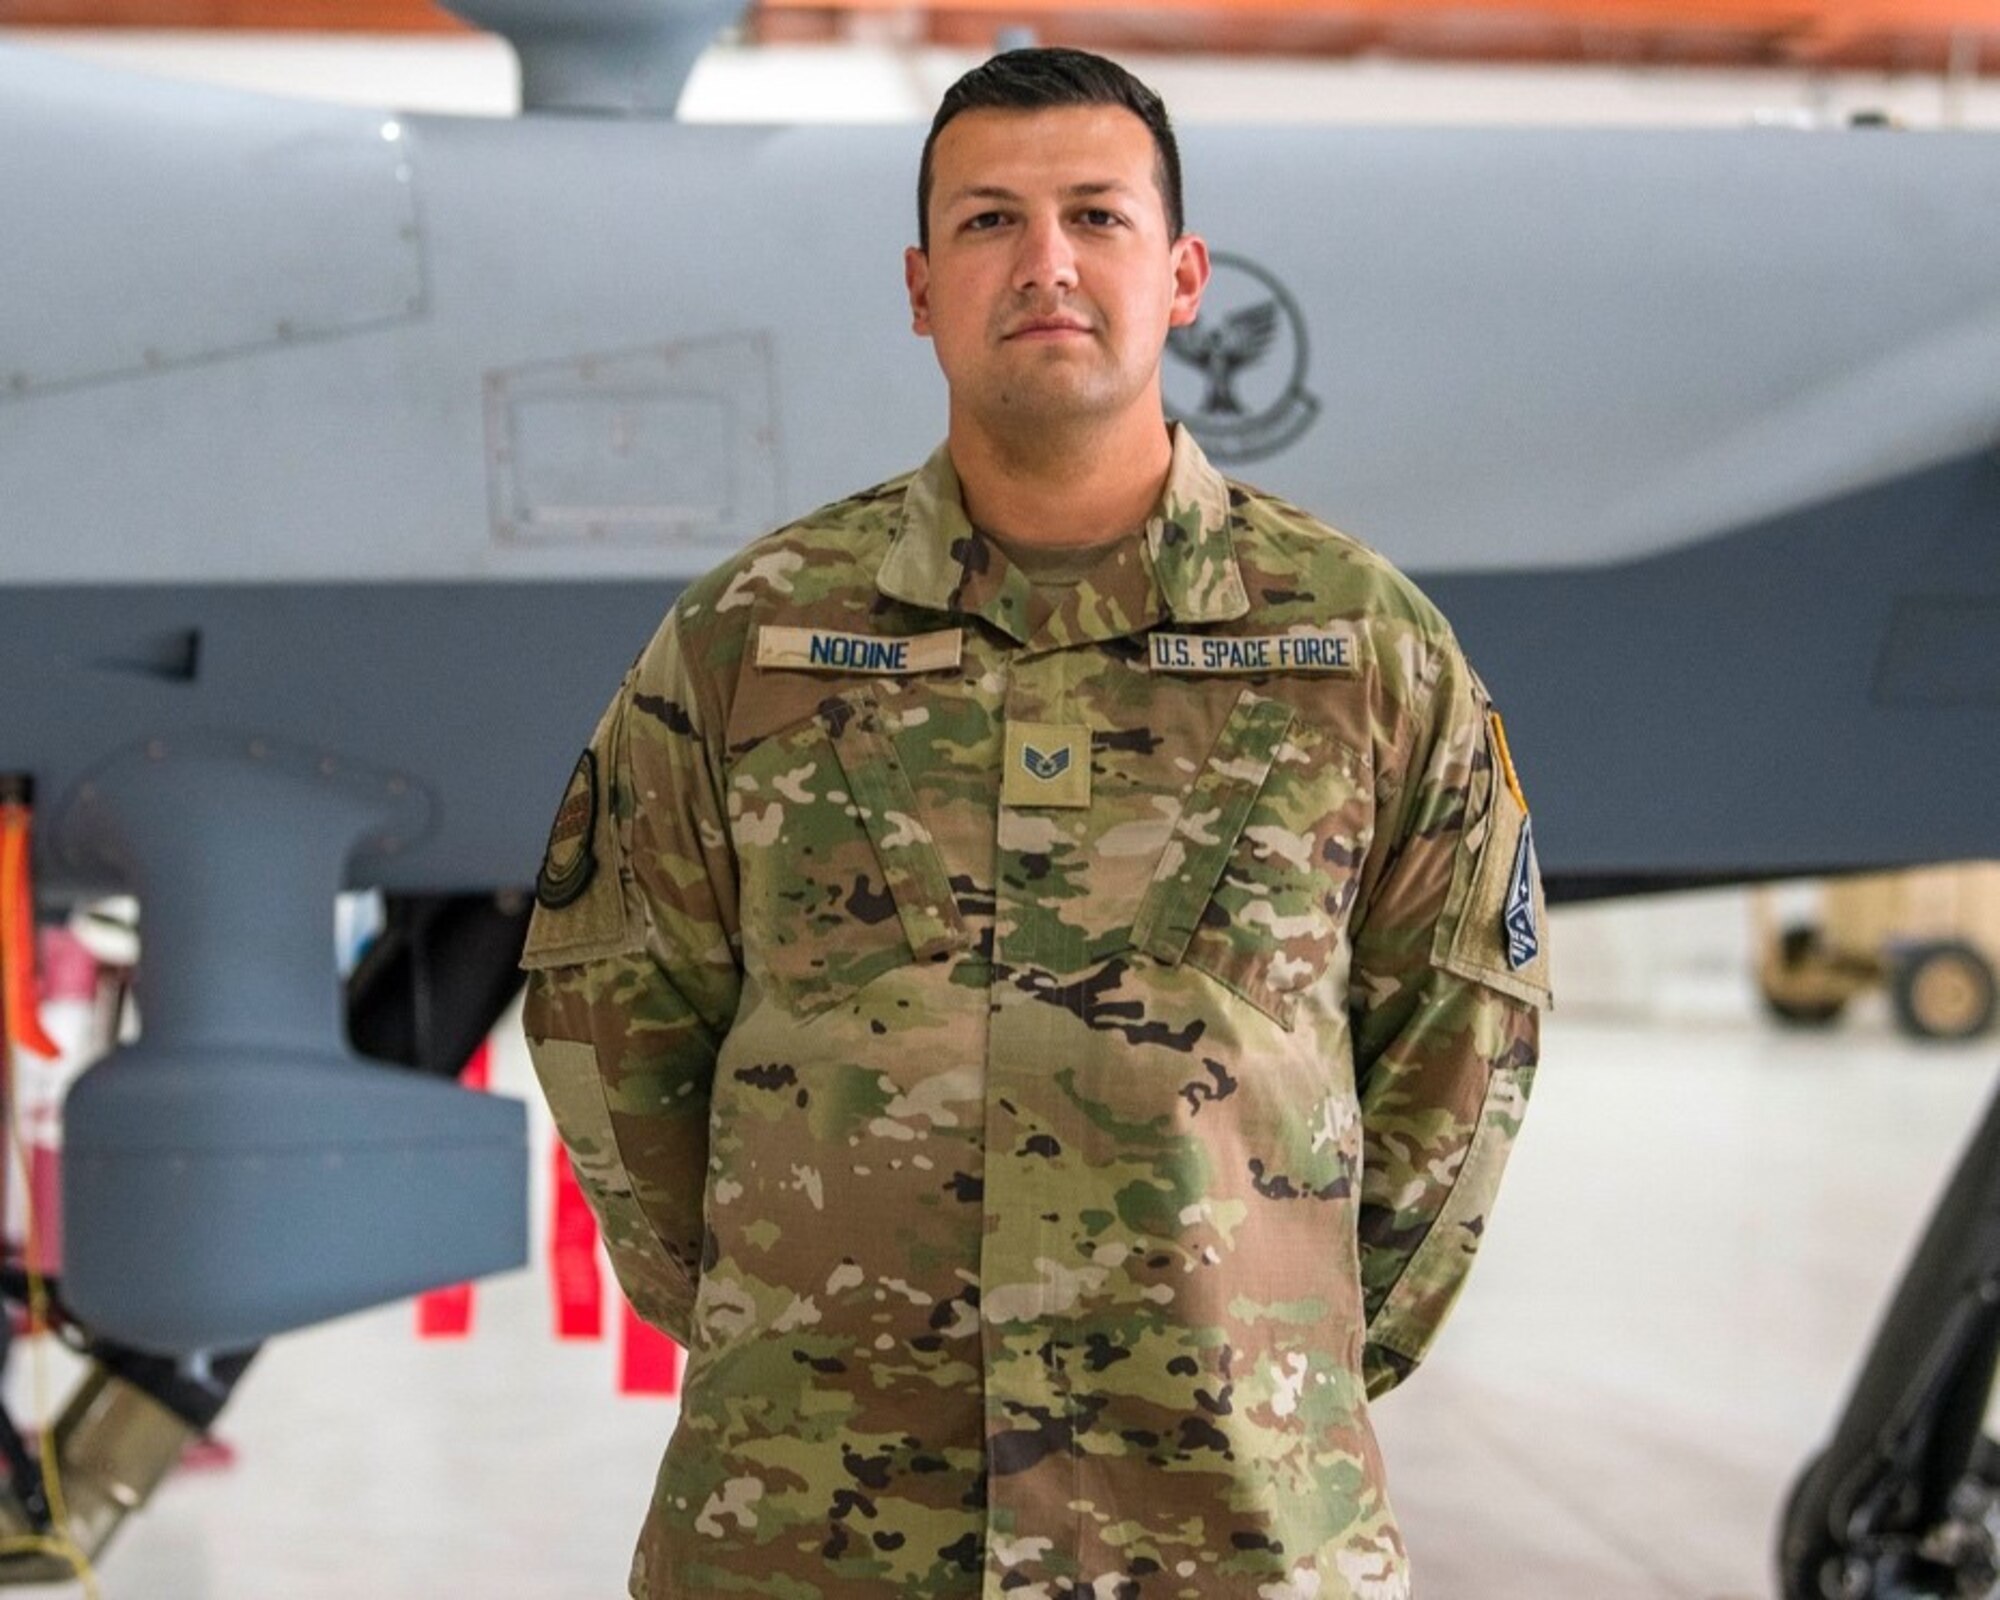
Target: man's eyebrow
<point>1075,191</point>
<point>981,191</point>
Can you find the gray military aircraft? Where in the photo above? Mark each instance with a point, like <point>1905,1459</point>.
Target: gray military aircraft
<point>346,458</point>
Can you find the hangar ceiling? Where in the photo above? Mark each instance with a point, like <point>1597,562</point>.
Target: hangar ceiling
<point>1960,36</point>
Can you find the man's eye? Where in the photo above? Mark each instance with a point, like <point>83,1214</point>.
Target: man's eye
<point>984,222</point>
<point>1102,219</point>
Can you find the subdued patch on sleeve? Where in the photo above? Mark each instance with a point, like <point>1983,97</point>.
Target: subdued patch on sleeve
<point>593,912</point>
<point>1496,897</point>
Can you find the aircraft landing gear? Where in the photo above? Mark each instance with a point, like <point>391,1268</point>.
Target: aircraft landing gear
<point>432,987</point>
<point>1904,1501</point>
<point>120,1433</point>
<point>1958,1560</point>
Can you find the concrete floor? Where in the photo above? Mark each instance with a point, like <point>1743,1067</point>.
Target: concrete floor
<point>1696,1238</point>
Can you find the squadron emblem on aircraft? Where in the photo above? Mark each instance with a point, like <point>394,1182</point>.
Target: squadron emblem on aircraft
<point>1240,385</point>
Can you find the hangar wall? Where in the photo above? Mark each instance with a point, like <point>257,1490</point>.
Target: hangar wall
<point>887,83</point>
<point>1682,958</point>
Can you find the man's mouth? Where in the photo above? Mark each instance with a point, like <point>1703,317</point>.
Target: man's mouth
<point>1049,328</point>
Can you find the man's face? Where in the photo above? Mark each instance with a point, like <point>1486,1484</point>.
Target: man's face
<point>1050,282</point>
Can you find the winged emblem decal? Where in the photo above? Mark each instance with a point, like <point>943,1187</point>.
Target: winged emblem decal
<point>1245,358</point>
<point>1243,339</point>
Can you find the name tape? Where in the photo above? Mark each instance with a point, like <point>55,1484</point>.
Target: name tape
<point>1320,650</point>
<point>819,650</point>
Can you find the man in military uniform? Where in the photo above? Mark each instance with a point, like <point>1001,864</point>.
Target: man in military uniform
<point>1039,966</point>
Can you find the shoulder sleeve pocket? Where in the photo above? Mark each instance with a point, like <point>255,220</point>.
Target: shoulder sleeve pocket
<point>1495,928</point>
<point>584,905</point>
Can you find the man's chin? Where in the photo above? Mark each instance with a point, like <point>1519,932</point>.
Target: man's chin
<point>1059,395</point>
<point>1028,415</point>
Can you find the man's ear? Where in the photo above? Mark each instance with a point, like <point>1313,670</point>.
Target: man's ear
<point>1190,264</point>
<point>917,280</point>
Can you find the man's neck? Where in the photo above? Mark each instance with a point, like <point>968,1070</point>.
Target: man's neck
<point>1084,487</point>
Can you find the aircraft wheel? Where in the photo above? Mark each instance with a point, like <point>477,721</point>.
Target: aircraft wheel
<point>1944,991</point>
<point>1809,1568</point>
<point>1813,1564</point>
<point>1790,983</point>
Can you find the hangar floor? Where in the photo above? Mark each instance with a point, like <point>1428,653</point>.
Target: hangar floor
<point>1695,1242</point>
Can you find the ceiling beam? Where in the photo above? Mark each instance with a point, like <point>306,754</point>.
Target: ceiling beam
<point>1909,34</point>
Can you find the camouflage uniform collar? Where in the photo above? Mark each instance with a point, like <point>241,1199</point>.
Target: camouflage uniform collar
<point>1190,540</point>
<point>939,560</point>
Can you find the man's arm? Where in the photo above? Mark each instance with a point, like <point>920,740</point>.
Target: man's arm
<point>1446,1017</point>
<point>633,981</point>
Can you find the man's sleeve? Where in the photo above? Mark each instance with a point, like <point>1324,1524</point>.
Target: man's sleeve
<point>1450,975</point>
<point>634,975</point>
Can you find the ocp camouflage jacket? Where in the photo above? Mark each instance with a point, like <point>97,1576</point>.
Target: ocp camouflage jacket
<point>1050,1061</point>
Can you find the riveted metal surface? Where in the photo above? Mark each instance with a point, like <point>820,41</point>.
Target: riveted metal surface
<point>671,442</point>
<point>153,225</point>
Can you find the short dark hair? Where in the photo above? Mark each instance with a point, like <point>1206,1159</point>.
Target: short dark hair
<point>1040,78</point>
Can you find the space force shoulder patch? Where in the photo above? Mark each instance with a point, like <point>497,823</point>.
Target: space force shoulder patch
<point>1518,921</point>
<point>1520,925</point>
<point>1495,927</point>
<point>568,860</point>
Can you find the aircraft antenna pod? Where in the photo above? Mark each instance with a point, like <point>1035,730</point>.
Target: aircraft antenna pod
<point>603,57</point>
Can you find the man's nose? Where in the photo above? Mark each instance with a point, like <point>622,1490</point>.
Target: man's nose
<point>1046,260</point>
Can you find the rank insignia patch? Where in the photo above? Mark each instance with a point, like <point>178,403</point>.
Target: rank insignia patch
<point>1517,917</point>
<point>1047,764</point>
<point>1041,764</point>
<point>568,861</point>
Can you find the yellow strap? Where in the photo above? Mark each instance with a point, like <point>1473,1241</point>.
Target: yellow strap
<point>1506,759</point>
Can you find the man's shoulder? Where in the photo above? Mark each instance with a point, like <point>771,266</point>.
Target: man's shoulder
<point>829,554</point>
<point>831,548</point>
<point>1297,567</point>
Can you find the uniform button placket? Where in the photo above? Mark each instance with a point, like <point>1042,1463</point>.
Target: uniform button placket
<point>1030,1529</point>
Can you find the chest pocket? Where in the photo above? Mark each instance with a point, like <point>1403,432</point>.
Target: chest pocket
<point>841,880</point>
<point>1257,880</point>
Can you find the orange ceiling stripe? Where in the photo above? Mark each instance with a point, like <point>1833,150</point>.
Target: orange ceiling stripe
<point>1843,17</point>
<point>1665,16</point>
<point>1669,16</point>
<point>1904,34</point>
